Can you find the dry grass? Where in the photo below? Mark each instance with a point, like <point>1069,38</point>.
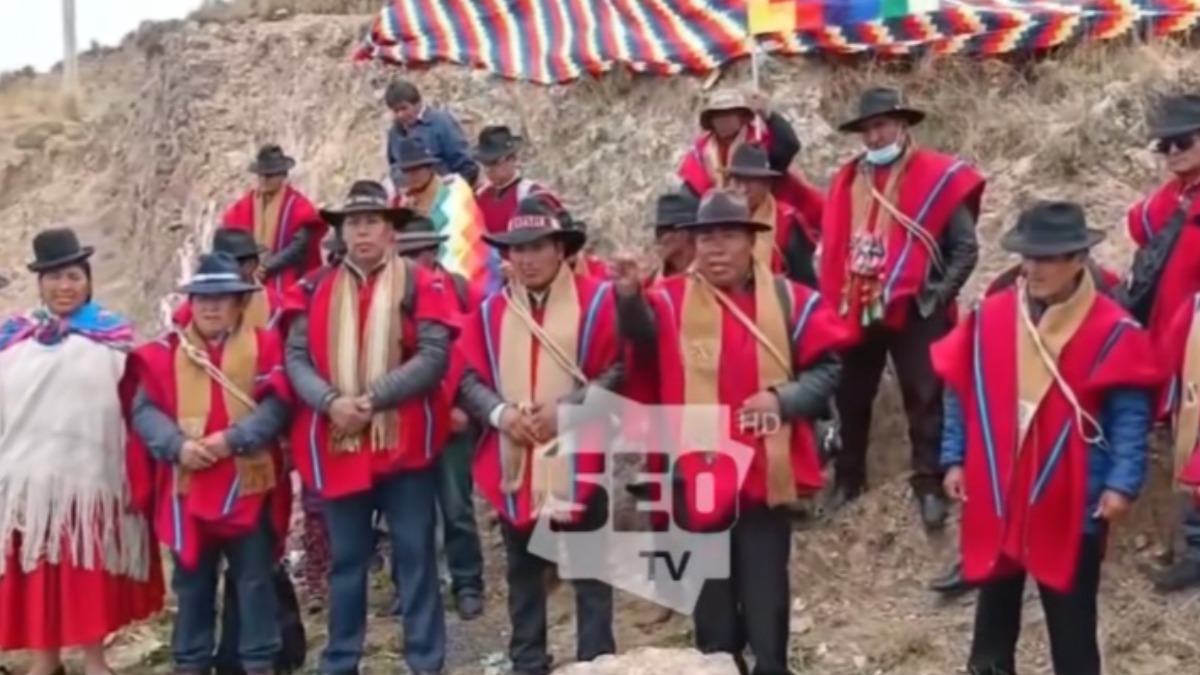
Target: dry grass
<point>270,10</point>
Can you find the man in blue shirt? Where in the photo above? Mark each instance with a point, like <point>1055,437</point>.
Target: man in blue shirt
<point>436,127</point>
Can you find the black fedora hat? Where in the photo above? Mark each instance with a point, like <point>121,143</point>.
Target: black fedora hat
<point>721,208</point>
<point>1050,228</point>
<point>536,220</point>
<point>881,102</point>
<point>236,242</point>
<point>673,209</point>
<point>56,248</point>
<point>1176,116</point>
<point>496,143</point>
<point>412,153</point>
<point>367,196</point>
<point>217,274</point>
<point>750,160</point>
<point>418,235</point>
<point>271,161</point>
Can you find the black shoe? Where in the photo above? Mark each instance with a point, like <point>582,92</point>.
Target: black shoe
<point>842,496</point>
<point>1184,574</point>
<point>469,605</point>
<point>951,584</point>
<point>934,511</point>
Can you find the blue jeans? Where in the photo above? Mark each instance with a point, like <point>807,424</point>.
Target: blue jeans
<point>251,565</point>
<point>464,555</point>
<point>407,501</point>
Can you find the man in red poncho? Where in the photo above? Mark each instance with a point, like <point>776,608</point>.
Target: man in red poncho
<point>282,220</point>
<point>731,334</point>
<point>898,243</point>
<point>504,186</point>
<point>263,309</point>
<point>211,403</point>
<point>1049,402</point>
<point>788,242</point>
<point>731,119</point>
<point>366,353</point>
<point>536,345</point>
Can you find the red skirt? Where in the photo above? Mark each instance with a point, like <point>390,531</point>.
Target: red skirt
<point>64,605</point>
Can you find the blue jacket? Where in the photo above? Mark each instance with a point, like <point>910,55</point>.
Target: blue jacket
<point>444,138</point>
<point>1125,417</point>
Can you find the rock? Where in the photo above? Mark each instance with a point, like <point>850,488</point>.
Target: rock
<point>655,661</point>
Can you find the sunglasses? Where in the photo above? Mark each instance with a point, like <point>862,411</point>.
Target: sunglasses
<point>1180,143</point>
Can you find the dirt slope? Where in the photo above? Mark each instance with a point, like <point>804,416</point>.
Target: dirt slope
<point>169,120</point>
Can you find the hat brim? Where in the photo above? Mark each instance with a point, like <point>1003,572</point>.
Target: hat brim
<point>486,155</point>
<point>414,245</point>
<point>1016,242</point>
<point>751,225</point>
<point>400,216</point>
<point>219,288</point>
<point>273,168</point>
<point>753,173</point>
<point>707,113</point>
<point>1173,131</point>
<point>573,240</point>
<point>415,164</point>
<point>910,116</point>
<point>79,256</point>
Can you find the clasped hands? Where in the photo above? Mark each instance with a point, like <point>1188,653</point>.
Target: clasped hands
<point>530,426</point>
<point>351,414</point>
<point>200,454</point>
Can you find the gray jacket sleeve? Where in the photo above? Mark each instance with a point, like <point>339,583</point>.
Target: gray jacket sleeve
<point>291,255</point>
<point>808,395</point>
<point>159,432</point>
<point>475,398</point>
<point>418,375</point>
<point>308,384</point>
<point>260,428</point>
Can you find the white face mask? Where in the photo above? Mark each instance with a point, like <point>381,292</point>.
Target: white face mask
<point>885,155</point>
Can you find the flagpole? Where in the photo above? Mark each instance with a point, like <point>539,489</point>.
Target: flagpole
<point>752,45</point>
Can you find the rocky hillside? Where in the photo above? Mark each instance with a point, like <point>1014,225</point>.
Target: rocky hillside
<point>169,120</point>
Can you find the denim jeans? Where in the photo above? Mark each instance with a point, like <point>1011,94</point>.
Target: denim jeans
<point>251,561</point>
<point>460,534</point>
<point>407,501</point>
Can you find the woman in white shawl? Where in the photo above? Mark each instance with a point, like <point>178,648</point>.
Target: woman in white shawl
<point>76,562</point>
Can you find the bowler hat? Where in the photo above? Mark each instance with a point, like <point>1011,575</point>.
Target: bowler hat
<point>723,208</point>
<point>367,196</point>
<point>271,161</point>
<point>217,274</point>
<point>1051,228</point>
<point>673,209</point>
<point>496,143</point>
<point>418,235</point>
<point>1176,116</point>
<point>536,220</point>
<point>412,153</point>
<point>236,242</point>
<point>724,100</point>
<point>881,102</point>
<point>56,248</point>
<point>750,160</point>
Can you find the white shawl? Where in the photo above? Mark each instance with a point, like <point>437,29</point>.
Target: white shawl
<point>63,484</point>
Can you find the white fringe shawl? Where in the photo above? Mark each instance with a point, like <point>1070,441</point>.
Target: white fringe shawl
<point>63,485</point>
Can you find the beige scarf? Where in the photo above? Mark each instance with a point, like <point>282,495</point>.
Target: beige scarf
<point>767,213</point>
<point>1187,412</point>
<point>1039,347</point>
<point>557,374</point>
<point>266,218</point>
<point>353,369</point>
<point>717,169</point>
<point>194,376</point>
<point>257,313</point>
<point>701,342</point>
<point>871,210</point>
